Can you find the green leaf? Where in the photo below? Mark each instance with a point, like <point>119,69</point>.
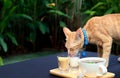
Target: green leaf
<point>7,4</point>
<point>97,5</point>
<point>90,12</point>
<point>4,21</point>
<point>22,2</point>
<point>1,61</point>
<point>42,27</point>
<point>32,36</point>
<point>31,26</point>
<point>62,24</point>
<point>109,11</point>
<point>3,44</point>
<point>12,38</point>
<point>24,16</point>
<point>59,13</point>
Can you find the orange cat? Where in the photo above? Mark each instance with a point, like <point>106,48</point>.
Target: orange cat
<point>99,30</point>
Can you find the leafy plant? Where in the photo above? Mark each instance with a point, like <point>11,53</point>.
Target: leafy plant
<point>92,8</point>
<point>4,22</point>
<point>8,14</point>
<point>20,20</point>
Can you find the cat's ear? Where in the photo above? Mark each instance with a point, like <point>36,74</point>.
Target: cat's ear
<point>66,31</point>
<point>79,33</point>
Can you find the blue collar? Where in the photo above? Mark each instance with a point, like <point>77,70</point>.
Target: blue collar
<point>85,37</point>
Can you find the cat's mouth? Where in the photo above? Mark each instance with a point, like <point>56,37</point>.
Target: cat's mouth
<point>71,55</point>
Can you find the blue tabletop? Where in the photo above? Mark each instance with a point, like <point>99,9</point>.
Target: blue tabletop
<point>39,67</point>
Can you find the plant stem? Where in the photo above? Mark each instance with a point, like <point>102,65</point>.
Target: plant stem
<point>35,7</point>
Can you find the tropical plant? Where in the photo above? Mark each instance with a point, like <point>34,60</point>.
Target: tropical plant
<point>44,14</point>
<point>26,17</point>
<point>8,14</point>
<point>92,8</point>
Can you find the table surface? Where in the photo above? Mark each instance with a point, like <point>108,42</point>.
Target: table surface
<point>39,67</point>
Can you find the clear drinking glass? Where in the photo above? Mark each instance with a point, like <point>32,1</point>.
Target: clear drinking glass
<point>74,61</point>
<point>63,63</point>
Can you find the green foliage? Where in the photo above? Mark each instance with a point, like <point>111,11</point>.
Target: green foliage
<point>12,38</point>
<point>42,27</point>
<point>6,13</point>
<point>23,16</point>
<point>1,61</point>
<point>62,24</point>
<point>28,16</point>
<point>59,13</point>
<point>3,44</point>
<point>92,8</point>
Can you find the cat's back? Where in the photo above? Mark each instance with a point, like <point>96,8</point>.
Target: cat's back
<point>109,24</point>
<point>105,18</point>
<point>107,21</point>
<point>112,17</point>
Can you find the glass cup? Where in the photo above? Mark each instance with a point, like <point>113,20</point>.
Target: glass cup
<point>63,63</point>
<point>74,63</point>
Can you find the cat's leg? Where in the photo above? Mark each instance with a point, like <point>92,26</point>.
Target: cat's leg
<point>99,50</point>
<point>107,49</point>
<point>106,42</point>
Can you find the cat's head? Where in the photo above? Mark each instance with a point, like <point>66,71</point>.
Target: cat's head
<point>74,40</point>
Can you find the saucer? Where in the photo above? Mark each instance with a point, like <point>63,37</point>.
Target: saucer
<point>64,74</point>
<point>72,74</point>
